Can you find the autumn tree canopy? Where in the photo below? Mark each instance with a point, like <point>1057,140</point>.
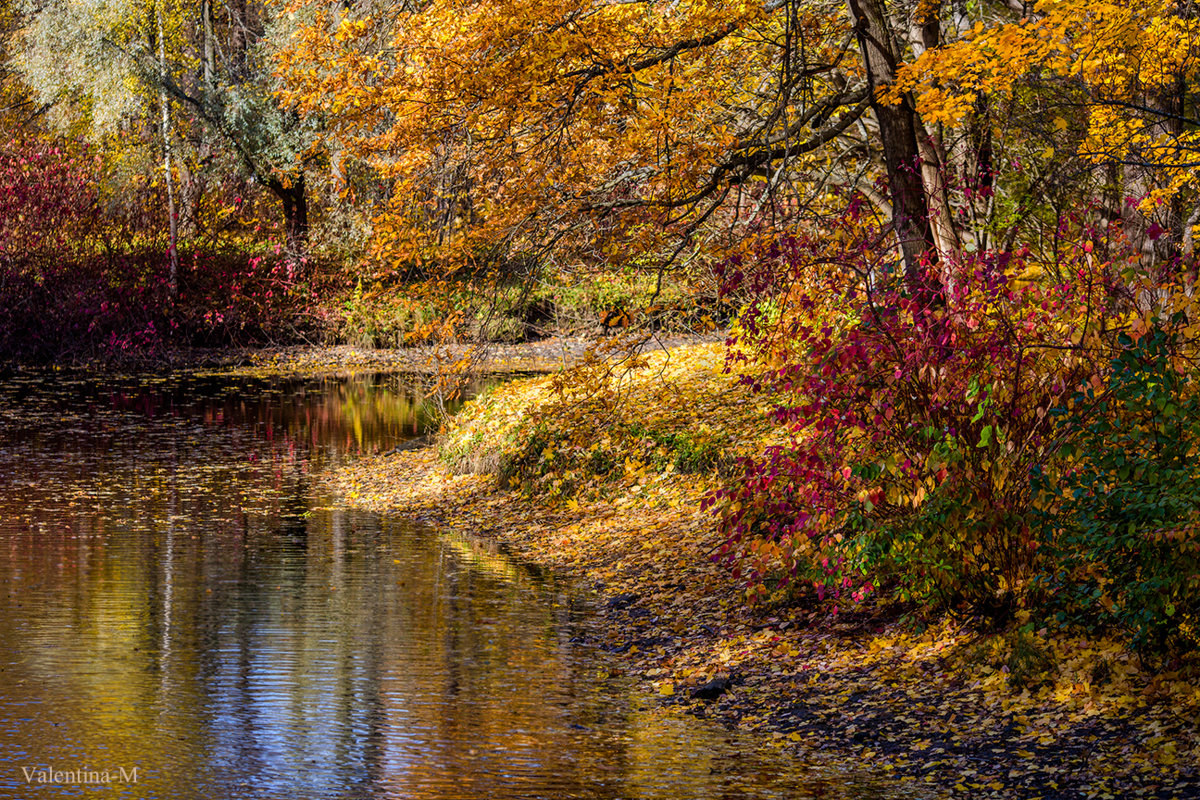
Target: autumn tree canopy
<point>601,132</point>
<point>656,132</point>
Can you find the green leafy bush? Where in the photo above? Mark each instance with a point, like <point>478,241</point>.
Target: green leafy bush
<point>1125,534</point>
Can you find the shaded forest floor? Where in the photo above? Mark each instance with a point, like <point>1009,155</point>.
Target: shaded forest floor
<point>944,707</point>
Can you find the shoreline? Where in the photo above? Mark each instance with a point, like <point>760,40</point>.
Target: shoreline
<point>850,690</point>
<point>532,357</point>
<point>931,707</point>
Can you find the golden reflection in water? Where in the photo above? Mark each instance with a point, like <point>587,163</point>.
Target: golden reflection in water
<point>176,600</point>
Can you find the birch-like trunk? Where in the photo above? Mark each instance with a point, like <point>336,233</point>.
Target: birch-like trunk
<point>210,58</point>
<point>173,281</point>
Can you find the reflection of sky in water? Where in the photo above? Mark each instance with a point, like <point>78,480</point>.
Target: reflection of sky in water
<point>175,597</point>
<point>289,700</point>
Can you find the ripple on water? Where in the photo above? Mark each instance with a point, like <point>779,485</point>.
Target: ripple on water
<point>177,599</point>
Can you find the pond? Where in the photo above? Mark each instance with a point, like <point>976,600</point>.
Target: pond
<point>185,615</point>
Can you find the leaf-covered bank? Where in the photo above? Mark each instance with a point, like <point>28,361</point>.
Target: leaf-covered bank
<point>608,488</point>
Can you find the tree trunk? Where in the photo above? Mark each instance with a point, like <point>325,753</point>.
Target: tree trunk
<point>902,156</point>
<point>295,214</point>
<point>925,34</point>
<point>191,190</point>
<point>1172,105</point>
<point>210,57</point>
<point>934,168</point>
<point>173,215</point>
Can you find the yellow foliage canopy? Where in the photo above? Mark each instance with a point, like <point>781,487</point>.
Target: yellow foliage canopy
<point>594,129</point>
<point>1128,61</point>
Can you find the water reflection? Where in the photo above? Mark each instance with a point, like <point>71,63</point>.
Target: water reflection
<point>176,599</point>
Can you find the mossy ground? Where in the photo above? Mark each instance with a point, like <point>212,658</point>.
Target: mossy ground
<point>939,704</point>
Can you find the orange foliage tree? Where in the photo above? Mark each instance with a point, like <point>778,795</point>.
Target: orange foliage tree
<point>583,132</point>
<point>652,133</point>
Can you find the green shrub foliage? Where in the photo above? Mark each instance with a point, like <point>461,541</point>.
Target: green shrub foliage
<point>1124,534</point>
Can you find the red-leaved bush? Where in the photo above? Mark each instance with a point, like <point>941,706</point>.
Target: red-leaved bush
<point>908,431</point>
<point>77,282</point>
<point>48,205</point>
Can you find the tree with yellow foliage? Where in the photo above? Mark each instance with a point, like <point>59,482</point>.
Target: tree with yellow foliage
<point>1111,84</point>
<point>191,73</point>
<point>619,133</point>
<point>585,132</point>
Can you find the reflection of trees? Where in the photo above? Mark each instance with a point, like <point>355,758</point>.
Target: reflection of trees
<point>325,418</point>
<point>258,441</point>
<point>444,675</point>
<point>484,684</point>
<point>157,607</point>
<point>294,502</point>
<point>330,662</point>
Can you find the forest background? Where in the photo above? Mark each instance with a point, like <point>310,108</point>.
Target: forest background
<point>952,242</point>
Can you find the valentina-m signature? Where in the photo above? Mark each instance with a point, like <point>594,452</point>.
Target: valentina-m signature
<point>49,774</point>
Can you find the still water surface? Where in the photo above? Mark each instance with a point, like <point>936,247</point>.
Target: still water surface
<point>177,598</point>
